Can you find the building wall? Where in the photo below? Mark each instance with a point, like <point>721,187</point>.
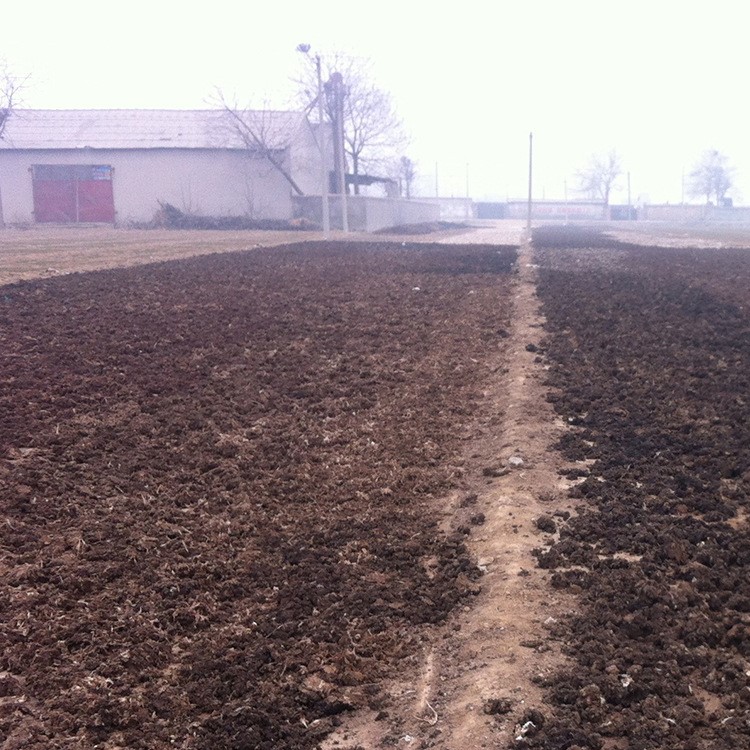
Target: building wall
<point>305,158</point>
<point>209,182</point>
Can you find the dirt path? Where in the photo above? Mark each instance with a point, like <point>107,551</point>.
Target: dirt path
<point>475,686</point>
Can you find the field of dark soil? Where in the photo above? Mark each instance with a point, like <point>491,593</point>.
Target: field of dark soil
<point>218,483</point>
<point>649,355</point>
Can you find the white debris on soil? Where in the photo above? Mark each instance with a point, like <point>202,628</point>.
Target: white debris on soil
<point>525,729</point>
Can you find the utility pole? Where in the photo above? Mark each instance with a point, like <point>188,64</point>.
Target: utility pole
<point>528,210</point>
<point>682,196</point>
<point>630,215</point>
<point>338,98</point>
<point>325,210</point>
<point>467,207</point>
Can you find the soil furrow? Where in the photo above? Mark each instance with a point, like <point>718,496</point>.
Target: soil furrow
<point>478,684</point>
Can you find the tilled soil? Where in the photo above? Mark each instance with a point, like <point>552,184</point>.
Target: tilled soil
<point>48,251</point>
<point>216,479</point>
<point>649,355</point>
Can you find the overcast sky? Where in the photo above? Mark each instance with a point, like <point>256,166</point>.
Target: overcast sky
<point>660,81</point>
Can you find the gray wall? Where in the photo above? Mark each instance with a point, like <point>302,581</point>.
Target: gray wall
<point>680,213</point>
<point>453,209</point>
<point>588,210</point>
<point>367,213</point>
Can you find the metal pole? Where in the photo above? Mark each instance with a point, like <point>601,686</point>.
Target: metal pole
<point>323,152</point>
<point>630,215</point>
<point>528,211</point>
<point>339,98</point>
<point>682,185</point>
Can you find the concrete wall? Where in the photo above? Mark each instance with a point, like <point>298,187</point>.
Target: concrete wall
<point>453,209</point>
<point>367,213</point>
<point>209,182</point>
<point>555,210</point>
<point>688,213</point>
<point>491,210</point>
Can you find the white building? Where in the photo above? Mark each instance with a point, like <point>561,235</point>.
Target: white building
<point>115,166</point>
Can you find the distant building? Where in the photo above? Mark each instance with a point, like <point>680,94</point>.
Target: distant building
<point>115,166</point>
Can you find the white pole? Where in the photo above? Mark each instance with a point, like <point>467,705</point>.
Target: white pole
<point>629,201</point>
<point>682,185</point>
<point>528,208</point>
<point>344,208</point>
<point>323,160</point>
<point>338,84</point>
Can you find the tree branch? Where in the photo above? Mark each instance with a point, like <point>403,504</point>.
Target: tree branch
<point>257,139</point>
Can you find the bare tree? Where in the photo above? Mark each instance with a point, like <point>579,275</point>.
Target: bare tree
<point>600,176</point>
<point>711,177</point>
<point>373,132</point>
<point>263,131</point>
<point>10,93</point>
<point>407,174</point>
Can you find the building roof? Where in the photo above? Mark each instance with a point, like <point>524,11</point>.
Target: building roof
<point>30,129</point>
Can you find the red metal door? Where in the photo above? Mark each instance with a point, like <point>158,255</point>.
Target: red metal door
<point>55,200</point>
<point>70,193</point>
<point>95,201</point>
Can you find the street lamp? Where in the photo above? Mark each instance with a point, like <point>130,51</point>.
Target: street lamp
<point>305,50</point>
